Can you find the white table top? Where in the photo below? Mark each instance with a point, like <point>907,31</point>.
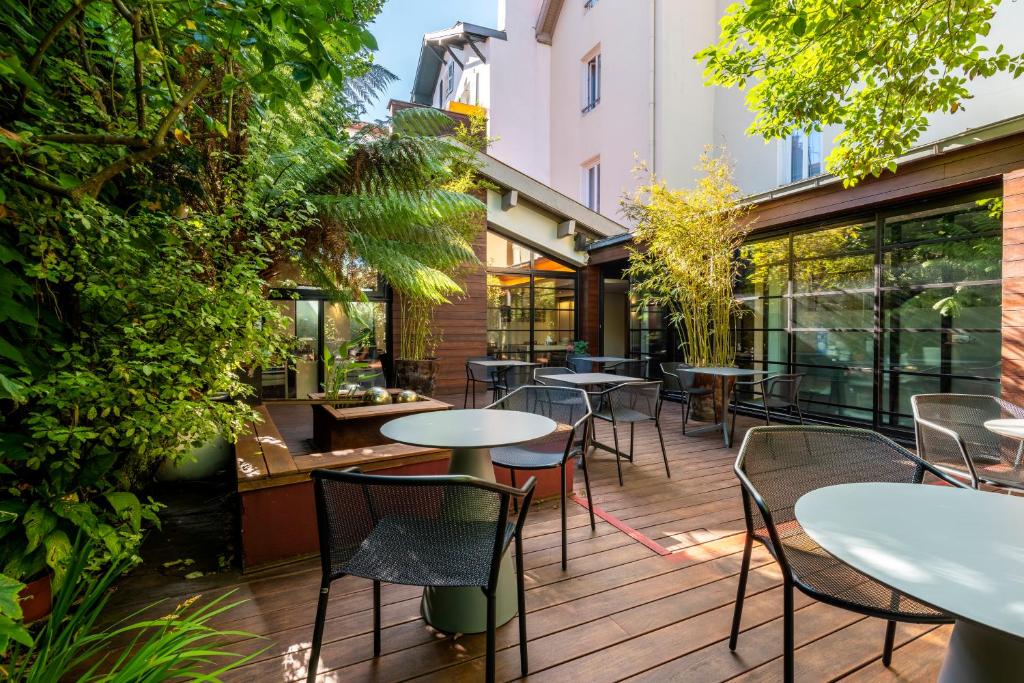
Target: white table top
<point>961,551</point>
<point>477,428</point>
<point>1013,429</point>
<point>500,363</point>
<point>585,378</point>
<point>725,372</point>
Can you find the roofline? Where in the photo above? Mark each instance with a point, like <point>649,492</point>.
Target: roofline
<point>547,19</point>
<point>458,35</point>
<point>548,198</point>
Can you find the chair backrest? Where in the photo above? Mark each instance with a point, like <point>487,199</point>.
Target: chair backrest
<point>351,507</point>
<point>516,376</point>
<point>965,415</point>
<point>777,465</point>
<point>785,387</point>
<point>542,375</point>
<point>669,378</point>
<point>629,368</point>
<point>642,397</point>
<point>480,373</point>
<point>580,364</point>
<point>568,406</point>
<point>687,380</point>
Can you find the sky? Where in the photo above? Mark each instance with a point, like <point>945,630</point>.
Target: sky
<point>399,32</point>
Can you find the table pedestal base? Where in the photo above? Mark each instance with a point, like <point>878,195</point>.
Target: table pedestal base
<point>464,610</point>
<point>978,654</point>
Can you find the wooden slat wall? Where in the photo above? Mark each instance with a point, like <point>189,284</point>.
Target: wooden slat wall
<point>1013,287</point>
<point>589,301</point>
<point>462,325</point>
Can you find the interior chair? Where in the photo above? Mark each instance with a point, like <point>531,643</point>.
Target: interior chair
<point>436,531</point>
<point>478,374</point>
<point>690,390</point>
<point>777,392</point>
<point>776,466</point>
<point>630,403</point>
<point>951,434</point>
<point>628,368</point>
<point>570,409</point>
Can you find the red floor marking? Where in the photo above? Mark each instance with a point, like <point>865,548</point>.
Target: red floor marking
<point>622,526</point>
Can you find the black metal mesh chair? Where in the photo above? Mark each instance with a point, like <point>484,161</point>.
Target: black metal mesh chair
<point>670,384</point>
<point>777,392</point>
<point>478,374</point>
<point>951,434</point>
<point>419,531</point>
<point>511,378</point>
<point>776,466</point>
<point>688,385</point>
<point>628,368</point>
<point>568,407</point>
<point>630,403</point>
<point>542,375</point>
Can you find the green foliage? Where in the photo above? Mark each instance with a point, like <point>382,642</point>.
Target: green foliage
<point>683,257</point>
<point>180,645</point>
<point>878,69</point>
<point>137,233</point>
<point>341,368</point>
<point>11,628</point>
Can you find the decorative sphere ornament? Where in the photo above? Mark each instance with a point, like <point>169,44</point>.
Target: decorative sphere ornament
<point>377,396</point>
<point>407,396</point>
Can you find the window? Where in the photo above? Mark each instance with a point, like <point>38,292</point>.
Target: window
<point>451,77</point>
<point>590,194</point>
<point>802,151</point>
<point>588,4</point>
<point>591,83</point>
<point>476,88</point>
<point>873,311</point>
<point>531,303</point>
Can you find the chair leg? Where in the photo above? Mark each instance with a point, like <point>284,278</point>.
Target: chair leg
<point>615,437</point>
<point>664,454</point>
<point>465,395</point>
<point>767,416</point>
<point>565,543</point>
<point>686,415</point>
<point>524,663</point>
<point>735,414</point>
<point>632,426</point>
<point>318,632</point>
<point>788,670</point>
<point>376,618</point>
<point>799,413</point>
<point>512,478</point>
<point>586,485</point>
<point>490,636</point>
<point>890,638</point>
<point>741,591</point>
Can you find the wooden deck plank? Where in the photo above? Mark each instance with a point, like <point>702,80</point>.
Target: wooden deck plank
<point>620,611</point>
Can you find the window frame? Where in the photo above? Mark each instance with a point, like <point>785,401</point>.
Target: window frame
<point>590,185</point>
<point>591,82</point>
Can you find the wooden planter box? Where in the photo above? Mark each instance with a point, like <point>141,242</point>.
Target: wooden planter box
<point>336,428</point>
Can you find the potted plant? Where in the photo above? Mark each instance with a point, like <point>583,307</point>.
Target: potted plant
<point>343,372</point>
<point>682,259</point>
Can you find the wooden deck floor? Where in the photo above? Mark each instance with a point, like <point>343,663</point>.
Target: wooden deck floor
<point>621,610</point>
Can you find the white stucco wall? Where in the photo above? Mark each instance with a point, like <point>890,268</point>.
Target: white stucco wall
<point>519,107</point>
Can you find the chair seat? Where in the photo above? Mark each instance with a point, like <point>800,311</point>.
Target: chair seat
<point>778,403</point>
<point>520,457</point>
<point>831,580</point>
<point>698,391</point>
<point>622,415</point>
<point>406,551</point>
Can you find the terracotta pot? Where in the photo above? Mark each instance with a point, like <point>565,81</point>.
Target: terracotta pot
<point>418,375</point>
<point>36,598</point>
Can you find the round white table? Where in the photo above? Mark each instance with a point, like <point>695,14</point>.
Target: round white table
<point>1011,428</point>
<point>470,434</point>
<point>960,551</point>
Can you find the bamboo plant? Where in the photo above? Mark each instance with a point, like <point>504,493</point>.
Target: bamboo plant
<point>682,258</point>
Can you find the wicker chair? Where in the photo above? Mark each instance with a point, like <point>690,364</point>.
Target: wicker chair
<point>630,403</point>
<point>776,466</point>
<point>951,435</point>
<point>688,385</point>
<point>478,374</point>
<point>417,531</point>
<point>777,392</point>
<point>570,408</point>
<point>629,368</point>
